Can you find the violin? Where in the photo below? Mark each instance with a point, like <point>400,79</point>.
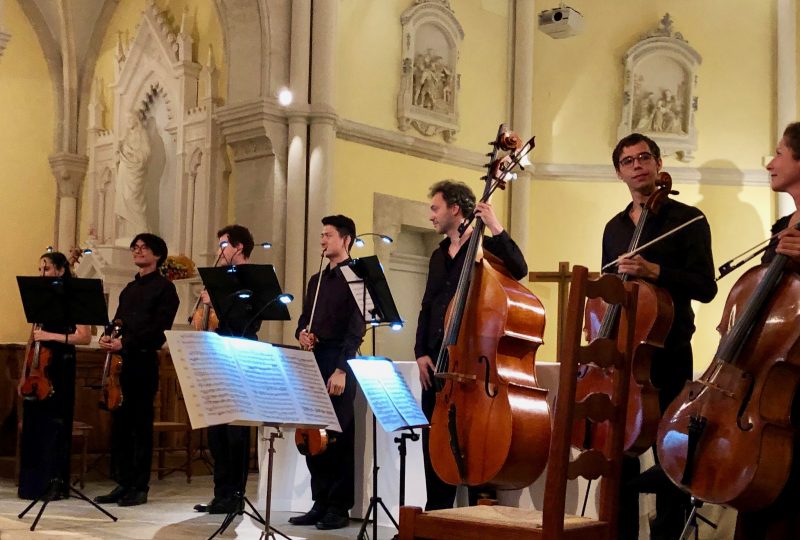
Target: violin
<point>35,384</point>
<point>654,314</point>
<point>311,441</point>
<point>727,438</point>
<point>204,317</point>
<point>491,422</point>
<point>111,389</point>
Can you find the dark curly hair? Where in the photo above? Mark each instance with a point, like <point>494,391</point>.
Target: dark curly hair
<point>455,193</point>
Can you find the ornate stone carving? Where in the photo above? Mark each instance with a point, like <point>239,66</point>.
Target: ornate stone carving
<point>659,96</point>
<point>4,36</point>
<point>428,96</point>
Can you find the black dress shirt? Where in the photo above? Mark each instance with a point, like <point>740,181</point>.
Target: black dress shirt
<point>147,307</point>
<point>687,266</point>
<point>443,274</point>
<point>338,321</point>
<point>777,227</point>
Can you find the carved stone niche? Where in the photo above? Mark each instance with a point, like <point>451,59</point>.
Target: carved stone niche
<point>429,85</point>
<point>659,98</point>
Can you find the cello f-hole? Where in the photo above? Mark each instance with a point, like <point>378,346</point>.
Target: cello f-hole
<point>486,387</point>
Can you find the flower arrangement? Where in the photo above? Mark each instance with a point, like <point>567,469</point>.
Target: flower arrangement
<point>177,267</point>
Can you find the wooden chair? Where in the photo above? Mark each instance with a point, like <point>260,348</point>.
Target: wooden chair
<point>170,422</point>
<point>80,434</point>
<point>481,522</point>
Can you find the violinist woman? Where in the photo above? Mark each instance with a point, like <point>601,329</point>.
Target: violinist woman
<point>682,264</point>
<point>47,424</point>
<point>781,520</point>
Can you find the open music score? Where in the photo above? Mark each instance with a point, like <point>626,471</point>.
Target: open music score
<point>388,394</point>
<point>240,381</point>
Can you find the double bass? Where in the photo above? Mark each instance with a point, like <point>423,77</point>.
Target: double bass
<point>491,422</point>
<point>727,438</point>
<point>654,314</point>
<point>111,389</point>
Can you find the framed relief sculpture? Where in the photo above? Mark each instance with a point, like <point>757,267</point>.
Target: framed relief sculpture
<point>429,84</point>
<point>659,97</point>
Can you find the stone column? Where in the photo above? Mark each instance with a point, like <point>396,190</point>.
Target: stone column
<point>323,122</point>
<point>786,82</point>
<point>524,18</point>
<point>296,247</point>
<point>69,170</point>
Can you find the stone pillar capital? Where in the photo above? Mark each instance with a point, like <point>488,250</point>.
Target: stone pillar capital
<point>69,171</point>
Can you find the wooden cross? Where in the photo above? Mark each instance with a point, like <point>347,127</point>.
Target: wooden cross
<point>562,277</point>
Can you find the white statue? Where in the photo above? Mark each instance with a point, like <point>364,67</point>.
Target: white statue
<point>130,205</point>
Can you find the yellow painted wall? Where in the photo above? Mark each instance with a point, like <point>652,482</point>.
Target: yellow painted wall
<point>368,60</point>
<point>27,207</point>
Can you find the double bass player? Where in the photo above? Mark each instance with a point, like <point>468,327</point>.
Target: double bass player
<point>450,203</point>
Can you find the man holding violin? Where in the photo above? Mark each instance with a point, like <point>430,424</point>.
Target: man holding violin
<point>451,203</point>
<point>230,445</point>
<point>682,264</point>
<point>334,333</point>
<point>147,307</point>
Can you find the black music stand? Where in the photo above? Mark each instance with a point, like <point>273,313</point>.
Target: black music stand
<point>370,289</point>
<point>251,291</point>
<point>62,302</point>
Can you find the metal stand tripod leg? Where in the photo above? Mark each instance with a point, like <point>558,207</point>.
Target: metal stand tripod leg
<point>375,500</point>
<point>54,485</point>
<point>270,531</point>
<point>691,522</point>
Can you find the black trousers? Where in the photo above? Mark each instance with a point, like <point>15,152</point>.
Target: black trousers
<point>46,439</point>
<point>230,448</point>
<point>333,471</point>
<point>670,370</point>
<point>132,422</point>
<point>441,494</point>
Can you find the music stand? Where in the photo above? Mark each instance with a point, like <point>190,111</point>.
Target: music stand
<point>62,302</point>
<point>251,291</point>
<point>282,388</point>
<point>371,290</point>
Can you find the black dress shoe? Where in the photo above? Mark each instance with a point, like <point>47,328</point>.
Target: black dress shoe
<point>205,507</point>
<point>226,506</point>
<point>133,498</point>
<point>333,520</point>
<point>309,518</point>
<point>114,496</point>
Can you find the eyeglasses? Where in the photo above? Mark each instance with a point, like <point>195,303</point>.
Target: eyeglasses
<point>140,248</point>
<point>643,158</point>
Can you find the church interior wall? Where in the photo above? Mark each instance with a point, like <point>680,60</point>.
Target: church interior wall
<point>27,210</point>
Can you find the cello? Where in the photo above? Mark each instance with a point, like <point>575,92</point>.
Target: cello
<point>727,438</point>
<point>111,388</point>
<point>654,314</point>
<point>491,423</point>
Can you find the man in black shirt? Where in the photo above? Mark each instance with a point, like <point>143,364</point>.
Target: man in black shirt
<point>683,265</point>
<point>147,307</point>
<point>335,334</point>
<point>451,202</point>
<point>230,445</point>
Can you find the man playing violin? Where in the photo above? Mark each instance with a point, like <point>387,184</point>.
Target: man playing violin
<point>335,334</point>
<point>781,519</point>
<point>230,445</point>
<point>682,264</point>
<point>147,308</point>
<point>451,203</point>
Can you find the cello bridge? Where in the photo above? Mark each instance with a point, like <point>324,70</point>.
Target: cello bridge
<point>457,377</point>
<point>718,388</point>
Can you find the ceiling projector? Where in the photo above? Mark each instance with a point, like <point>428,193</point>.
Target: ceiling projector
<point>561,22</point>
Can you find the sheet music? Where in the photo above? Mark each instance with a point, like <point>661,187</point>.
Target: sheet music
<point>388,394</point>
<point>230,380</point>
<point>360,293</point>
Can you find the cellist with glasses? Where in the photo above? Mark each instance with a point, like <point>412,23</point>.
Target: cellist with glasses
<point>682,264</point>
<point>46,438</point>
